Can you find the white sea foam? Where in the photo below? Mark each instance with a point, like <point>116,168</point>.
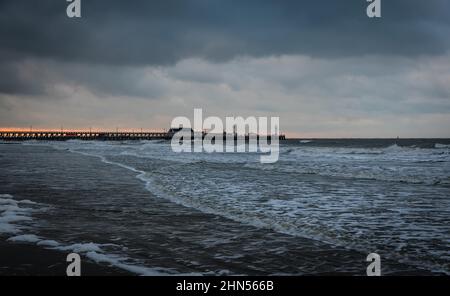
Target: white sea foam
<point>81,248</point>
<point>47,243</point>
<point>28,202</point>
<point>25,238</point>
<point>441,146</point>
<point>119,262</point>
<point>13,214</point>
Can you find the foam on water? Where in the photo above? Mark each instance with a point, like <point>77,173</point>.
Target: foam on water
<point>441,146</point>
<point>391,164</point>
<point>24,238</point>
<point>338,195</point>
<point>13,214</point>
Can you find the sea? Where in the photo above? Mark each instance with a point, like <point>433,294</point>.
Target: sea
<point>319,210</point>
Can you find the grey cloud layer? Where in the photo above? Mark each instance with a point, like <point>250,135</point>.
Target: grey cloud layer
<point>163,32</point>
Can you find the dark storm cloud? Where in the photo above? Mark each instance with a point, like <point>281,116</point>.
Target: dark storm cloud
<point>164,32</point>
<point>15,81</point>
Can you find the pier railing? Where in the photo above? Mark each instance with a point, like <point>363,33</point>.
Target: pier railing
<point>62,136</point>
<point>101,136</point>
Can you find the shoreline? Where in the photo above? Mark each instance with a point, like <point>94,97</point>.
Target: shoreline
<point>22,259</point>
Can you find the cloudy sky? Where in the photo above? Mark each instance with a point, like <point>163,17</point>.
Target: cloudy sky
<point>322,66</point>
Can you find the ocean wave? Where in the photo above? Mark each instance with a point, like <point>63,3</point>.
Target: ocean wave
<point>441,146</point>
<point>365,152</point>
<point>375,173</point>
<point>393,153</point>
<point>395,147</point>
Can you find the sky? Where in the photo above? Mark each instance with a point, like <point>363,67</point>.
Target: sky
<point>322,66</point>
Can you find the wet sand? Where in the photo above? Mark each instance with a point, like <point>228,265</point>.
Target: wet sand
<point>31,260</point>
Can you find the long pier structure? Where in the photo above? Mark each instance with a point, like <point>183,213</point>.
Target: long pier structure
<point>99,136</point>
<point>74,135</point>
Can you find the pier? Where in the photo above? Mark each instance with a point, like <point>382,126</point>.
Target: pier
<point>91,136</point>
<point>99,136</point>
